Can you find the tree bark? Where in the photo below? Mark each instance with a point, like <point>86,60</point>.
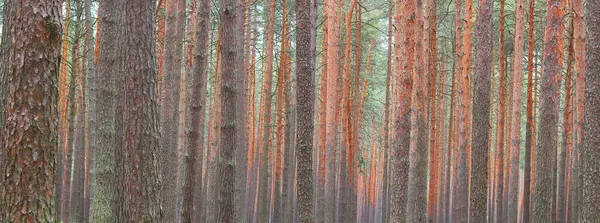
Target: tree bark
<point>481,112</point>
<point>401,118</point>
<point>529,126</point>
<point>590,206</point>
<point>579,68</point>
<point>142,187</point>
<point>192,199</point>
<point>305,75</point>
<point>103,207</point>
<point>30,130</point>
<point>499,184</point>
<point>517,87</point>
<point>169,115</point>
<point>545,175</point>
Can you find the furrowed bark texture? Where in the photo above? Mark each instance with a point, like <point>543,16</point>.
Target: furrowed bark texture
<point>590,164</point>
<point>545,175</point>
<point>401,110</point>
<point>481,112</point>
<point>30,131</point>
<point>305,76</point>
<point>193,195</point>
<point>141,118</point>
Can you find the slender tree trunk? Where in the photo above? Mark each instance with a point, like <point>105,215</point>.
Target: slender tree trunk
<point>34,61</point>
<point>517,91</point>
<point>589,207</point>
<point>529,126</point>
<point>192,198</point>
<point>579,68</point>
<point>386,135</point>
<point>63,111</point>
<point>499,184</point>
<point>545,176</point>
<point>263,204</point>
<point>331,131</point>
<point>322,137</point>
<point>160,43</point>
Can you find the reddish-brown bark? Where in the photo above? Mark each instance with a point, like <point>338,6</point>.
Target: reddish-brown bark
<point>499,175</point>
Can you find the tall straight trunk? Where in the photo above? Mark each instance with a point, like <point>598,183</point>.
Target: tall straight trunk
<point>347,124</point>
<point>434,148</point>
<point>214,137</point>
<point>263,204</point>
<point>449,150</point>
<point>192,199</point>
<point>75,209</point>
<point>322,129</point>
<point>401,118</point>
<point>284,70</point>
<point>169,115</point>
<point>416,205</point>
<point>229,129</point>
<point>579,69</point>
<point>481,112</point>
<point>525,212</point>
<point>499,184</point>
<point>515,135</point>
<point>460,197</point>
<point>142,200</point>
<point>589,206</point>
<point>104,191</point>
<point>63,109</point>
<point>91,106</point>
<point>31,134</point>
<point>305,76</point>
<point>331,131</point>
<point>386,131</point>
<point>545,175</point>
<point>564,157</point>
<point>356,122</point>
<point>4,58</point>
<point>241,147</point>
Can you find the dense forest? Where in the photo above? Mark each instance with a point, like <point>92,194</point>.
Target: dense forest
<point>300,111</point>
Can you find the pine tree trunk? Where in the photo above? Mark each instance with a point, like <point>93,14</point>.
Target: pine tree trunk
<point>104,192</point>
<point>401,111</point>
<point>545,176</point>
<point>34,61</point>
<point>499,184</point>
<point>305,76</point>
<point>579,68</point>
<point>63,110</point>
<point>192,199</point>
<point>529,126</point>
<point>386,135</point>
<point>4,58</point>
<point>590,206</point>
<point>141,118</point>
<point>263,204</point>
<point>517,91</point>
<point>481,112</point>
<point>169,115</point>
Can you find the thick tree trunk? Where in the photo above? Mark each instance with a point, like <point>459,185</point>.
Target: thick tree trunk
<point>142,187</point>
<point>4,58</point>
<point>31,134</point>
<point>169,115</point>
<point>590,164</point>
<point>401,110</point>
<point>481,112</point>
<point>305,75</point>
<point>545,175</point>
<point>103,207</point>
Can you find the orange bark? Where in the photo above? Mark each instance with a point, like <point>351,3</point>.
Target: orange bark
<point>498,201</point>
<point>347,121</point>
